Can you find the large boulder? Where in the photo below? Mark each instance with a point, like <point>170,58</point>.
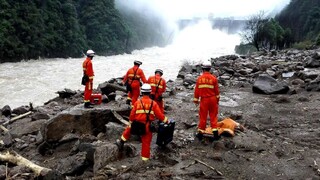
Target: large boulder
<point>107,88</point>
<point>79,120</point>
<point>265,84</point>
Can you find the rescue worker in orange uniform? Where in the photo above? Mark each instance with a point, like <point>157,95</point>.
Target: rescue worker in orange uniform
<point>133,77</point>
<point>207,93</point>
<point>139,113</point>
<point>158,87</point>
<point>88,70</point>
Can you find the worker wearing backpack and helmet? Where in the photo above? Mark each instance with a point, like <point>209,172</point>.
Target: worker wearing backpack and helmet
<point>88,72</point>
<point>207,93</point>
<point>132,81</point>
<point>143,112</point>
<point>158,87</point>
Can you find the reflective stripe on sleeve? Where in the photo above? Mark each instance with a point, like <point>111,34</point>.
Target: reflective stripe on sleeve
<point>165,119</point>
<point>206,86</point>
<point>124,139</point>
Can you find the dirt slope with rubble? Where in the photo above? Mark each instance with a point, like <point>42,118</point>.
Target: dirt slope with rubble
<point>281,139</point>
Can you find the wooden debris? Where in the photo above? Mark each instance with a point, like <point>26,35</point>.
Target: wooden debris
<point>119,117</point>
<point>316,167</point>
<point>194,162</point>
<point>17,117</point>
<point>203,163</point>
<point>17,159</point>
<point>291,159</point>
<point>5,130</point>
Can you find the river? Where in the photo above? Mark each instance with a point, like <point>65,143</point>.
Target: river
<point>37,81</point>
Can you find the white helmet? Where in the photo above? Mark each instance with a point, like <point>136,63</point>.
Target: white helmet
<point>146,88</point>
<point>206,65</point>
<point>90,53</point>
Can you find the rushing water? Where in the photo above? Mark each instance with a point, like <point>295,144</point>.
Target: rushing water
<point>37,81</point>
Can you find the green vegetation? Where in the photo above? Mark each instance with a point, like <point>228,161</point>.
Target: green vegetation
<point>298,26</point>
<point>245,49</point>
<point>30,29</point>
<point>303,18</point>
<point>265,33</point>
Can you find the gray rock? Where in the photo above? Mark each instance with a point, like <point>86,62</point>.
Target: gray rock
<point>189,79</point>
<point>89,148</point>
<point>3,172</point>
<point>39,115</point>
<point>107,88</point>
<point>66,93</point>
<point>265,84</point>
<point>20,110</point>
<point>6,111</point>
<point>25,126</point>
<point>281,99</point>
<point>104,155</point>
<point>73,165</point>
<point>80,121</point>
<point>114,130</point>
<point>7,139</point>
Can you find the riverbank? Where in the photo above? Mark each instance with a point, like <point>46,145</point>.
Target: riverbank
<point>280,140</point>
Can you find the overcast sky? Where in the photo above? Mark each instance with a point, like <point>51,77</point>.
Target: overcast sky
<point>177,9</point>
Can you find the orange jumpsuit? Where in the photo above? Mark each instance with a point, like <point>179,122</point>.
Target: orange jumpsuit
<point>88,70</point>
<point>157,92</point>
<point>207,90</point>
<point>133,76</point>
<point>139,114</point>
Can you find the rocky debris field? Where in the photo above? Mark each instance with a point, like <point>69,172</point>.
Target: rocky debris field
<point>275,96</point>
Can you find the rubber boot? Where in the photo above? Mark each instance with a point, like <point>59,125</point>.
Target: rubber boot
<point>215,134</point>
<point>128,101</point>
<point>120,144</point>
<point>88,105</point>
<point>199,135</point>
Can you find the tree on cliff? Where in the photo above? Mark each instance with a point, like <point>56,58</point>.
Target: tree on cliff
<point>253,29</point>
<point>266,33</point>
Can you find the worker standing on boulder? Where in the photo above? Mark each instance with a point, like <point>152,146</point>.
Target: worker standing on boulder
<point>143,112</point>
<point>158,87</point>
<point>207,92</point>
<point>132,81</point>
<point>88,75</point>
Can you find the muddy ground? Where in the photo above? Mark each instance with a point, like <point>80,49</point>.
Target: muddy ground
<point>281,141</point>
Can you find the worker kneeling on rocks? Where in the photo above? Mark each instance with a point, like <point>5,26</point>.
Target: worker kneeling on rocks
<point>143,112</point>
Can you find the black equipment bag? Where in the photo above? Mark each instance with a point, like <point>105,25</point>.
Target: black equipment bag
<point>128,86</point>
<point>165,133</point>
<point>138,128</point>
<point>85,79</point>
<point>152,96</point>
